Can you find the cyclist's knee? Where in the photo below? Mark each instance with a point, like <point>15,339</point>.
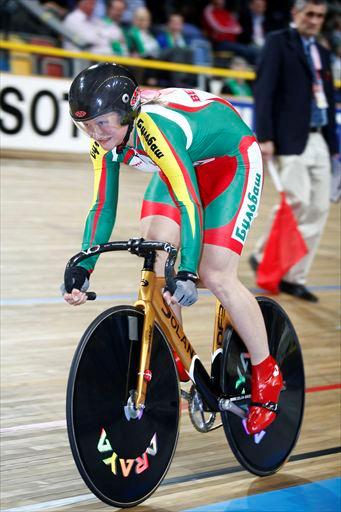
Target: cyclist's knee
<point>218,281</point>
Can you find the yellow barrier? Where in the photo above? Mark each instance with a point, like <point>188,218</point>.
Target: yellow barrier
<point>131,61</point>
<point>128,61</point>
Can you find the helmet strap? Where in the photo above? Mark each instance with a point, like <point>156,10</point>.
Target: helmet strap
<point>121,146</point>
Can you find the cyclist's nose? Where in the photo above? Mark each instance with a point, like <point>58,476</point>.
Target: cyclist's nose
<point>96,132</point>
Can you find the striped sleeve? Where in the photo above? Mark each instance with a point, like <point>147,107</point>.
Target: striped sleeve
<point>101,217</point>
<point>165,143</point>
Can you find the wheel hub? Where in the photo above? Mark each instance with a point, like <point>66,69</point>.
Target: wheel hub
<point>130,410</point>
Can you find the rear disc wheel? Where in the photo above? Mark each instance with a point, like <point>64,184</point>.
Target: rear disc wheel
<point>265,452</point>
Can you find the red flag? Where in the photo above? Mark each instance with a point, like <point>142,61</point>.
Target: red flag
<point>283,249</point>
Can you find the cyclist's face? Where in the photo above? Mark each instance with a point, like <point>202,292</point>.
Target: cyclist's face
<point>106,130</point>
<point>309,20</point>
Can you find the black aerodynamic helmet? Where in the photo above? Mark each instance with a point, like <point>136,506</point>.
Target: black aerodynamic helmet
<point>104,88</point>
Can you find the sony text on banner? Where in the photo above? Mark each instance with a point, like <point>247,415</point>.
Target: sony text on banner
<point>35,116</point>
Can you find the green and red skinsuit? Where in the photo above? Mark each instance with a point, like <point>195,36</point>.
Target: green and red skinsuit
<point>208,175</point>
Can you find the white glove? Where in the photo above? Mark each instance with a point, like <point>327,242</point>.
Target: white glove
<point>186,292</point>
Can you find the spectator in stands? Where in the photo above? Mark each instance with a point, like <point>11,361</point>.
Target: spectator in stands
<point>223,29</point>
<point>80,23</point>
<point>172,36</point>
<point>55,8</point>
<point>100,8</point>
<point>331,39</point>
<point>115,11</point>
<point>336,58</point>
<point>221,25</point>
<point>254,23</point>
<point>142,42</point>
<point>175,49</point>
<point>332,30</point>
<point>196,39</point>
<point>182,29</point>
<point>115,32</point>
<point>237,86</point>
<point>191,11</point>
<point>131,7</point>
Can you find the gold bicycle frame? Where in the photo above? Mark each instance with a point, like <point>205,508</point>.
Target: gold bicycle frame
<point>150,300</point>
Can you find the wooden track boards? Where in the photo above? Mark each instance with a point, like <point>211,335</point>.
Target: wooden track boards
<point>44,204</point>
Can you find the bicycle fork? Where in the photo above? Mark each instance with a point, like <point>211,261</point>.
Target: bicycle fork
<point>137,396</point>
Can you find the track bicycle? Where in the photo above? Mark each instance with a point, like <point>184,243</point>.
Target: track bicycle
<point>123,394</point>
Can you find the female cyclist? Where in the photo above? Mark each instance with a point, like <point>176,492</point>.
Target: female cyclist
<point>203,197</point>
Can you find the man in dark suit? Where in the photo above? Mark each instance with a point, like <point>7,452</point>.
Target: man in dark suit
<point>295,120</point>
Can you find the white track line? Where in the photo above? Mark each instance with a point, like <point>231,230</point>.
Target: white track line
<point>35,426</point>
<point>46,505</point>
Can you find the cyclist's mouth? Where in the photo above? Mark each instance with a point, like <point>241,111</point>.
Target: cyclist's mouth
<point>104,142</point>
<point>109,142</point>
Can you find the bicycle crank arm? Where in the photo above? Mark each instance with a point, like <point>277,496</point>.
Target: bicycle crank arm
<point>215,427</point>
<point>226,405</point>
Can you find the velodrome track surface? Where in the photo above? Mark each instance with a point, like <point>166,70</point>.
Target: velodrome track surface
<point>44,203</point>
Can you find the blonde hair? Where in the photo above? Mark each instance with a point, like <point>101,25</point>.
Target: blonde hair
<point>155,97</point>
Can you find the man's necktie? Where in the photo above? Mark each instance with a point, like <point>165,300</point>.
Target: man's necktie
<point>318,115</point>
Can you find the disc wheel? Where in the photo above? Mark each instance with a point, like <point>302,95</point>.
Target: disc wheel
<point>265,452</point>
<point>121,460</point>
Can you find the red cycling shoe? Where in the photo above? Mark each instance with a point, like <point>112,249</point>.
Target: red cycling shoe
<point>266,385</point>
<point>183,375</point>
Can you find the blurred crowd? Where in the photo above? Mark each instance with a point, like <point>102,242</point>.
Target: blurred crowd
<point>223,33</point>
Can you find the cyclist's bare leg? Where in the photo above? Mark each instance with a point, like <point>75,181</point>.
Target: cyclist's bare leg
<point>218,272</point>
<point>158,227</point>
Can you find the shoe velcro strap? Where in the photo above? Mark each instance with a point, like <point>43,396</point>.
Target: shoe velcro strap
<point>271,406</point>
